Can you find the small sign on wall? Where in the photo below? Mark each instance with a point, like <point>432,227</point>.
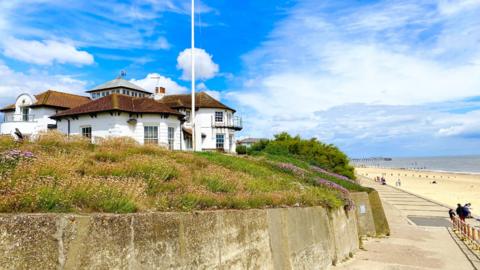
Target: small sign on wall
<point>362,209</point>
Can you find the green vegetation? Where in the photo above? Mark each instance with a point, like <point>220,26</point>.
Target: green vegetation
<point>325,156</point>
<point>60,174</point>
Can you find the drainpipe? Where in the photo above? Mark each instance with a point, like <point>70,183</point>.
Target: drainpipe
<point>68,128</point>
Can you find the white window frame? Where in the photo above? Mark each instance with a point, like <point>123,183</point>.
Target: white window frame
<point>220,141</point>
<point>171,137</point>
<point>218,116</point>
<point>25,111</point>
<point>151,139</point>
<point>84,133</point>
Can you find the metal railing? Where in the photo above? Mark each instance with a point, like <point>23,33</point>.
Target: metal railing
<point>18,118</point>
<point>233,123</point>
<point>468,233</point>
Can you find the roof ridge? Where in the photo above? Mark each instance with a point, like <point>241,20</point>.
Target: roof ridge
<point>65,93</point>
<point>60,92</point>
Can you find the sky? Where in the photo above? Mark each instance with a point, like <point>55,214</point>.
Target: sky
<point>375,78</point>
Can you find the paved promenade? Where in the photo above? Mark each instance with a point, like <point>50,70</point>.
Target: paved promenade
<point>419,237</point>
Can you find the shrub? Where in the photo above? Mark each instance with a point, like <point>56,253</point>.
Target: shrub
<point>241,149</point>
<point>326,156</point>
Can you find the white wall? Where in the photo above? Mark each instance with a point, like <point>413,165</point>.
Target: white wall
<point>107,125</point>
<point>38,124</point>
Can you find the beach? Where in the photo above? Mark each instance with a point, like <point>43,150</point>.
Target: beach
<point>450,188</point>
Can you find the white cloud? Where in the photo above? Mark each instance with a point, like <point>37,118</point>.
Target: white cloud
<point>460,125</point>
<point>205,68</point>
<point>162,43</point>
<point>14,83</point>
<point>451,7</point>
<point>154,79</point>
<point>213,93</point>
<point>383,55</point>
<point>46,52</point>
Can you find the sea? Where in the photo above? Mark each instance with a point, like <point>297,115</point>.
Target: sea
<point>456,164</point>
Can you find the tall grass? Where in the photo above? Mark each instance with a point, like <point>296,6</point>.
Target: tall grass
<point>118,175</point>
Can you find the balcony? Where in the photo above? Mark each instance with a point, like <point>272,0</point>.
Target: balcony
<point>233,123</point>
<point>18,118</point>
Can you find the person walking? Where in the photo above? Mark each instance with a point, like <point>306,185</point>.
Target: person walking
<point>468,210</point>
<point>461,212</point>
<point>398,183</point>
<point>452,214</point>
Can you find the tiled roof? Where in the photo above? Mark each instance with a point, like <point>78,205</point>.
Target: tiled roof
<point>52,98</point>
<point>10,107</point>
<point>202,100</point>
<point>118,102</point>
<point>118,83</point>
<point>60,99</point>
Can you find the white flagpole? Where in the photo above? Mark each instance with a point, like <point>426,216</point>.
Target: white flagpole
<point>194,133</point>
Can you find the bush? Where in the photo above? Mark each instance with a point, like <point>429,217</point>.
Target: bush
<point>241,149</point>
<point>326,156</point>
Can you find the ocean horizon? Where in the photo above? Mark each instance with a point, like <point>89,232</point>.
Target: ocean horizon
<point>456,164</point>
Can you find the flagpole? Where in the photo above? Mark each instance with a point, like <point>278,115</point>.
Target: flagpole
<point>194,133</point>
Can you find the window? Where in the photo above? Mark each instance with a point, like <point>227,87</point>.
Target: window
<point>218,116</point>
<point>171,137</point>
<point>87,132</point>
<point>220,139</point>
<point>188,142</point>
<point>25,111</point>
<point>150,135</point>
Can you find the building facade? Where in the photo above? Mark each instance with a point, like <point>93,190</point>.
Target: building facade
<point>31,113</point>
<point>121,109</point>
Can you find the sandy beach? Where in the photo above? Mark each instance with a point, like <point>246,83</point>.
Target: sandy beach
<point>450,188</point>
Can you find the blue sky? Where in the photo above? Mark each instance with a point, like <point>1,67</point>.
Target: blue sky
<point>391,78</point>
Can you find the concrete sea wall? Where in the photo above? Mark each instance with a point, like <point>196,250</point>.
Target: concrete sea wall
<point>371,219</point>
<point>284,238</point>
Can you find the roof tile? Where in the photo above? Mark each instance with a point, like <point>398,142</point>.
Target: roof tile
<point>202,100</point>
<point>119,102</point>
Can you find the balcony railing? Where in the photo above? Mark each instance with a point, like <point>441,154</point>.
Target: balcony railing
<point>233,123</point>
<point>18,118</point>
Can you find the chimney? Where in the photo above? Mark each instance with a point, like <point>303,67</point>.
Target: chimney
<point>159,93</point>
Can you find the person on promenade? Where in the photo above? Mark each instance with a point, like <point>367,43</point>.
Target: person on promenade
<point>383,181</point>
<point>398,183</point>
<point>460,212</point>
<point>452,215</point>
<point>468,211</point>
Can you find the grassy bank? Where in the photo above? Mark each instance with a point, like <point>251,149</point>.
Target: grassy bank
<point>56,174</point>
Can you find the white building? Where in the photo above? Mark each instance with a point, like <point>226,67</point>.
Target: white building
<point>121,109</point>
<point>31,113</point>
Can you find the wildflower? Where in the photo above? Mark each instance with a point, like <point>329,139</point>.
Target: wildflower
<point>336,175</point>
